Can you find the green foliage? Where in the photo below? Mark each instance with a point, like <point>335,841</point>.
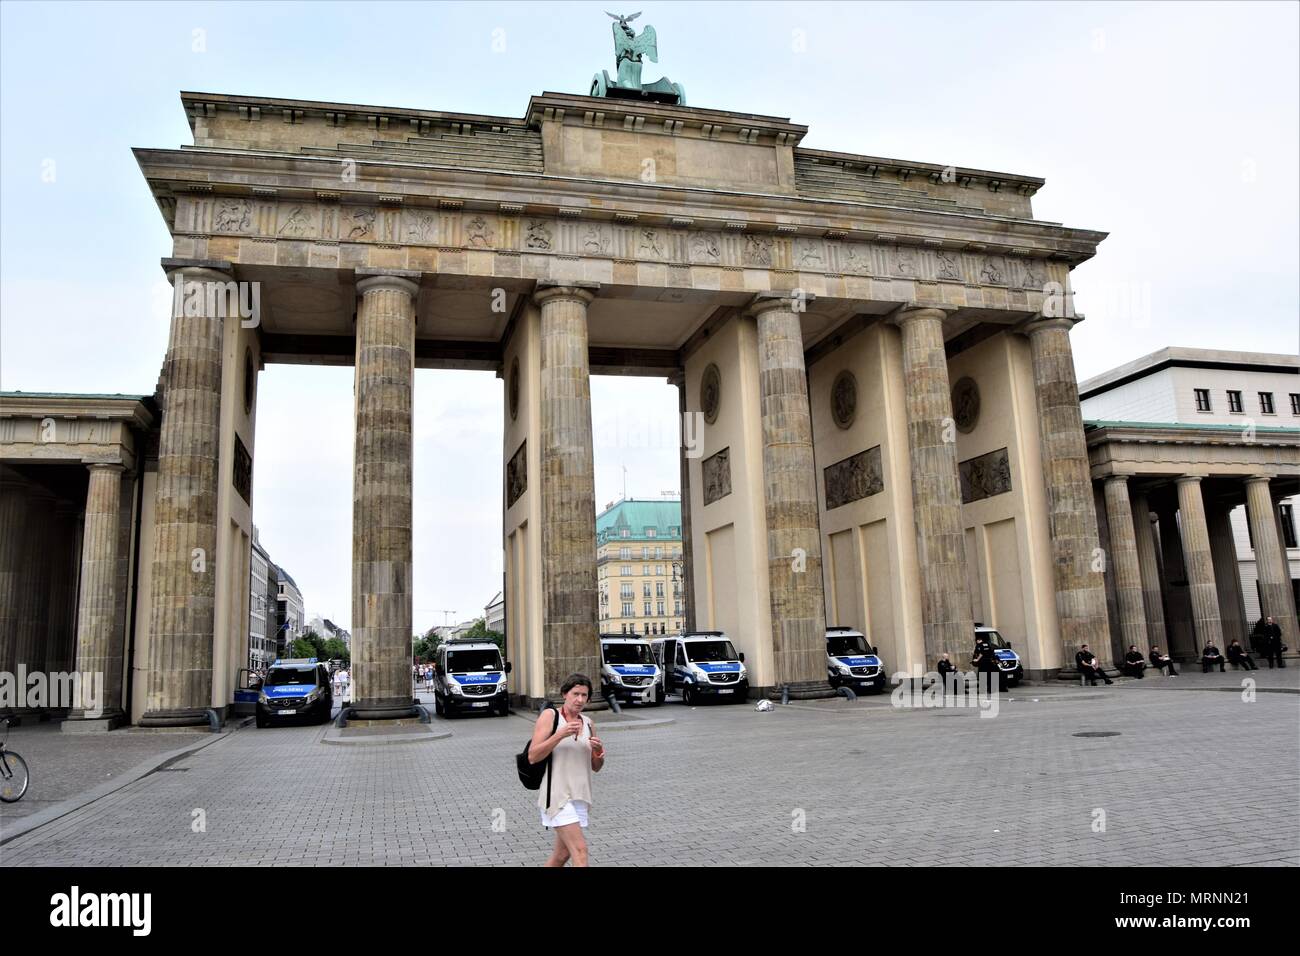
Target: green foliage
<point>303,648</point>
<point>335,649</point>
<point>479,632</point>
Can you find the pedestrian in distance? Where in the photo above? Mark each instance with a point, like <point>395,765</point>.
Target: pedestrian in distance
<point>1271,638</point>
<point>1134,665</point>
<point>1210,656</point>
<point>946,667</point>
<point>568,738</point>
<point>1238,657</point>
<point>1089,666</point>
<point>1162,661</point>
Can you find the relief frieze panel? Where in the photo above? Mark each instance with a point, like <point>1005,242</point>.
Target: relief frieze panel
<point>631,241</point>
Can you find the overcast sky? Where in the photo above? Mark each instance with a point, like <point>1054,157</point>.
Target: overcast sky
<point>1173,127</point>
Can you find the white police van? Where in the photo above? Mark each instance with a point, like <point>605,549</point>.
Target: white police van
<point>702,665</point>
<point>469,676</point>
<point>295,688</point>
<point>628,670</point>
<point>852,662</point>
<point>1010,669</point>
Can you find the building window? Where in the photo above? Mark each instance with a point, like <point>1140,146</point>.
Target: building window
<point>625,532</point>
<point>661,608</point>
<point>677,608</point>
<point>1202,399</point>
<point>625,554</point>
<point>647,609</point>
<point>659,554</point>
<point>1234,401</point>
<point>1288,526</point>
<point>1295,403</point>
<point>645,589</point>
<point>1266,403</point>
<point>645,570</point>
<point>659,569</point>
<point>649,532</point>
<point>627,568</point>
<point>659,590</point>
<point>627,609</point>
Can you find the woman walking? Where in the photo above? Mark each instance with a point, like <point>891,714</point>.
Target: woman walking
<point>576,752</point>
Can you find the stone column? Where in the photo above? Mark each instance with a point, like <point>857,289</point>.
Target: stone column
<point>1199,563</point>
<point>570,597</point>
<point>381,497</point>
<point>1227,574</point>
<point>13,538</point>
<point>1275,597</point>
<point>178,684</point>
<point>37,564</point>
<point>1149,567</point>
<point>1072,516</point>
<point>688,557</point>
<point>97,651</point>
<point>1182,641</point>
<point>1125,566</point>
<point>946,615</point>
<point>60,645</point>
<point>794,553</point>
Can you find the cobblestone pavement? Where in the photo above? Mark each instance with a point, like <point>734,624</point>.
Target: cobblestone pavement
<point>1193,778</point>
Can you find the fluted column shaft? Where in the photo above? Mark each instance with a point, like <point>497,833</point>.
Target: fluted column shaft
<point>794,558</point>
<point>1227,574</point>
<point>1275,596</point>
<point>178,685</point>
<point>61,634</point>
<point>34,596</point>
<point>1199,562</point>
<point>1080,587</point>
<point>381,497</point>
<point>946,616</point>
<point>570,595</point>
<point>1149,568</point>
<point>1124,564</point>
<point>13,539</point>
<point>97,650</point>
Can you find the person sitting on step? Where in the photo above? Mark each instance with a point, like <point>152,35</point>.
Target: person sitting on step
<point>1211,656</point>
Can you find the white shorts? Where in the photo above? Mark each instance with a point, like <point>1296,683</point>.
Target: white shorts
<point>573,811</point>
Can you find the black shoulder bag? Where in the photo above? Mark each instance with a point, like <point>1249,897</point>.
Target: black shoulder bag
<point>531,774</point>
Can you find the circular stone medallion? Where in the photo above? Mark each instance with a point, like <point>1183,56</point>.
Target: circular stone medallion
<point>711,393</point>
<point>965,404</point>
<point>844,399</point>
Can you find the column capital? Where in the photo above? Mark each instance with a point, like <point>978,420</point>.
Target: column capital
<point>375,280</point>
<point>104,465</point>
<point>1117,479</point>
<point>1187,479</point>
<point>1045,324</point>
<point>785,299</point>
<point>221,269</point>
<point>909,312</point>
<point>1257,479</point>
<point>550,290</point>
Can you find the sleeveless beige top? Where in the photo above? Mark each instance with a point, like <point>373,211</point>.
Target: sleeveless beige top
<point>570,771</point>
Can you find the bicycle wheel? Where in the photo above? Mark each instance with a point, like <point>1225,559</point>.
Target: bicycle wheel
<point>13,777</point>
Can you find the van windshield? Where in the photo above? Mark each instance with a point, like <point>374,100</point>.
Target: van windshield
<point>997,640</point>
<point>846,645</point>
<point>628,654</point>
<point>280,676</point>
<point>458,661</point>
<point>710,651</point>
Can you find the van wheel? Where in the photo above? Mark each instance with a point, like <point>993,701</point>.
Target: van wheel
<point>658,697</point>
<point>437,706</point>
<point>688,698</point>
<point>261,722</point>
<point>504,709</point>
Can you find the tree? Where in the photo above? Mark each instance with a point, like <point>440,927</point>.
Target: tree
<point>479,632</point>
<point>303,648</point>
<point>335,649</point>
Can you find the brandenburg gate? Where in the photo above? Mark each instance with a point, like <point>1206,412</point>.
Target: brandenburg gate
<point>875,352</point>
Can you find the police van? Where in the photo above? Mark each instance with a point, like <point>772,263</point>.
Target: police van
<point>469,676</point>
<point>295,688</point>
<point>702,665</point>
<point>628,670</point>
<point>852,662</point>
<point>1010,670</point>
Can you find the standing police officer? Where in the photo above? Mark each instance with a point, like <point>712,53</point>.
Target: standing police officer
<point>985,661</point>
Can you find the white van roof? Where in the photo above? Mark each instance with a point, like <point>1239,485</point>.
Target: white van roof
<point>470,646</point>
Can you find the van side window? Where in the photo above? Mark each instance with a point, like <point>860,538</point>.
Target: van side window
<point>681,653</point>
